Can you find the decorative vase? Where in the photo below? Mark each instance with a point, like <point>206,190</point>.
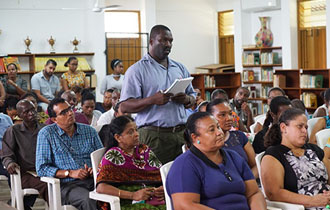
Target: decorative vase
<point>264,37</point>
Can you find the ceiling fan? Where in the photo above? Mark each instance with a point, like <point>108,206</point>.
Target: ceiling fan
<point>99,8</point>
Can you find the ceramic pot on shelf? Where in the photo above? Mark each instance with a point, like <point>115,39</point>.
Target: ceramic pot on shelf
<point>264,37</point>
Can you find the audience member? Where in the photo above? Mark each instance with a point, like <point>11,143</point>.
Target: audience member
<point>278,105</point>
<point>202,106</point>
<point>116,79</point>
<point>299,104</point>
<point>239,105</point>
<point>106,117</point>
<point>45,84</point>
<point>209,177</point>
<point>323,122</point>
<point>322,110</point>
<point>63,151</point>
<point>123,178</point>
<point>19,148</point>
<point>70,97</point>
<point>31,96</point>
<point>88,108</point>
<point>106,104</point>
<point>11,110</point>
<point>237,123</point>
<point>198,100</point>
<point>160,117</point>
<point>73,77</point>
<point>292,170</point>
<point>272,93</point>
<point>5,122</point>
<point>234,140</point>
<point>2,96</point>
<point>14,86</point>
<point>78,91</point>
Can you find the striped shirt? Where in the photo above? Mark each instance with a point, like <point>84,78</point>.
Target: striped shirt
<point>56,150</point>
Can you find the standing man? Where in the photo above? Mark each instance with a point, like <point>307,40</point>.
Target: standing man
<point>19,150</point>
<point>239,104</point>
<point>45,84</point>
<point>160,117</point>
<point>63,151</point>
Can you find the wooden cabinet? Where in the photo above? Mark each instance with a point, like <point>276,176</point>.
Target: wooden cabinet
<point>208,82</point>
<point>295,87</point>
<point>258,67</point>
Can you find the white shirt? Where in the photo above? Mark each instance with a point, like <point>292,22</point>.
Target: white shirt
<point>106,117</point>
<point>109,82</point>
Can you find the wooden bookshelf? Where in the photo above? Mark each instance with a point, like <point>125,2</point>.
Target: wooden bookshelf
<point>229,81</point>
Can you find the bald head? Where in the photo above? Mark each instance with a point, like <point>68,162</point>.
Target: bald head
<point>70,97</point>
<point>21,104</point>
<point>26,111</point>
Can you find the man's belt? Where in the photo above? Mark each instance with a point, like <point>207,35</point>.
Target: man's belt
<point>174,129</point>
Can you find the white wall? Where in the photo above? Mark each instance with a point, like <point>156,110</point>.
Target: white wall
<point>193,25</point>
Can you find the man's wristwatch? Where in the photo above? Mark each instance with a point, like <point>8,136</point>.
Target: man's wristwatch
<point>66,173</point>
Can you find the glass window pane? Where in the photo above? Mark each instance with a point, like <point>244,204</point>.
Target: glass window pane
<point>226,23</point>
<point>312,13</point>
<point>121,24</point>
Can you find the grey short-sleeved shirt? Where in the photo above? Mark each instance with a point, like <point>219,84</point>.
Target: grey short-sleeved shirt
<point>47,88</point>
<point>11,89</point>
<point>145,78</point>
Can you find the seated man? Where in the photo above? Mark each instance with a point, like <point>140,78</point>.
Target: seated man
<point>19,147</point>
<point>239,104</point>
<point>5,122</point>
<point>63,151</point>
<point>107,116</point>
<point>106,104</point>
<point>70,97</point>
<point>45,84</point>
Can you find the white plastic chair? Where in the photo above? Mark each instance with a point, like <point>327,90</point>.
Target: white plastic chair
<point>311,123</point>
<point>282,205</point>
<point>163,172</point>
<point>322,137</point>
<point>114,201</point>
<point>256,118</point>
<point>184,148</point>
<point>17,193</point>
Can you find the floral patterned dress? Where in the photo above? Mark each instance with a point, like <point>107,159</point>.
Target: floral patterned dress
<point>74,79</point>
<point>131,173</point>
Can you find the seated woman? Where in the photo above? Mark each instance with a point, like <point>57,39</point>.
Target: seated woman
<point>292,170</point>
<point>73,77</point>
<point>323,122</point>
<point>278,105</point>
<point>130,170</point>
<point>88,108</point>
<point>234,140</point>
<point>14,86</point>
<point>209,177</point>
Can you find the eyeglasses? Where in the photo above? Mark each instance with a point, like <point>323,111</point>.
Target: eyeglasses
<point>65,111</point>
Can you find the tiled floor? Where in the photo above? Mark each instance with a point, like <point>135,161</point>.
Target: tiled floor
<point>5,196</point>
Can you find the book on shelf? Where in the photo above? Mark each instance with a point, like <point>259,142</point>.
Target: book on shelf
<point>9,60</point>
<point>248,75</point>
<point>311,81</point>
<point>279,80</point>
<point>209,81</point>
<point>207,95</point>
<point>271,58</point>
<point>2,66</point>
<point>251,58</point>
<point>266,75</point>
<point>309,99</point>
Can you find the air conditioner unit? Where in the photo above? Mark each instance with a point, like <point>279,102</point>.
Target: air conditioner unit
<point>260,5</point>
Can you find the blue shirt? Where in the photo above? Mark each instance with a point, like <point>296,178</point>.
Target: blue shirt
<point>193,172</point>
<point>144,79</point>
<point>236,142</point>
<point>47,88</point>
<point>5,122</point>
<point>56,150</point>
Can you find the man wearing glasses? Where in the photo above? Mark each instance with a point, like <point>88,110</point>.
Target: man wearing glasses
<point>63,151</point>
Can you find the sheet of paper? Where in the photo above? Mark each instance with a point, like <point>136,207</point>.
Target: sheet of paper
<point>179,86</point>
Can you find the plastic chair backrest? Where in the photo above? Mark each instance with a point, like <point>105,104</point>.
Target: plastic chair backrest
<point>96,157</point>
<point>311,123</point>
<point>163,172</point>
<point>258,163</point>
<point>322,137</point>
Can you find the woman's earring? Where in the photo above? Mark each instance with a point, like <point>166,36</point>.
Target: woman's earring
<point>198,141</point>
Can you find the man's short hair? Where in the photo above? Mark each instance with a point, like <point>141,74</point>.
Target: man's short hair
<point>109,90</point>
<point>51,61</point>
<point>217,92</point>
<point>51,105</point>
<point>276,89</point>
<point>157,29</point>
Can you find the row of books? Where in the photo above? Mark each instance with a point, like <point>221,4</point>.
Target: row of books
<point>259,92</point>
<point>265,75</point>
<point>4,61</point>
<point>258,108</point>
<point>311,81</point>
<point>209,81</point>
<point>255,58</point>
<point>309,99</point>
<point>41,61</point>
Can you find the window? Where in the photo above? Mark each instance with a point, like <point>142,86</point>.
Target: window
<point>122,24</point>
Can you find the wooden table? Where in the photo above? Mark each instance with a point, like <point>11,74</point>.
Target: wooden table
<point>218,68</point>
